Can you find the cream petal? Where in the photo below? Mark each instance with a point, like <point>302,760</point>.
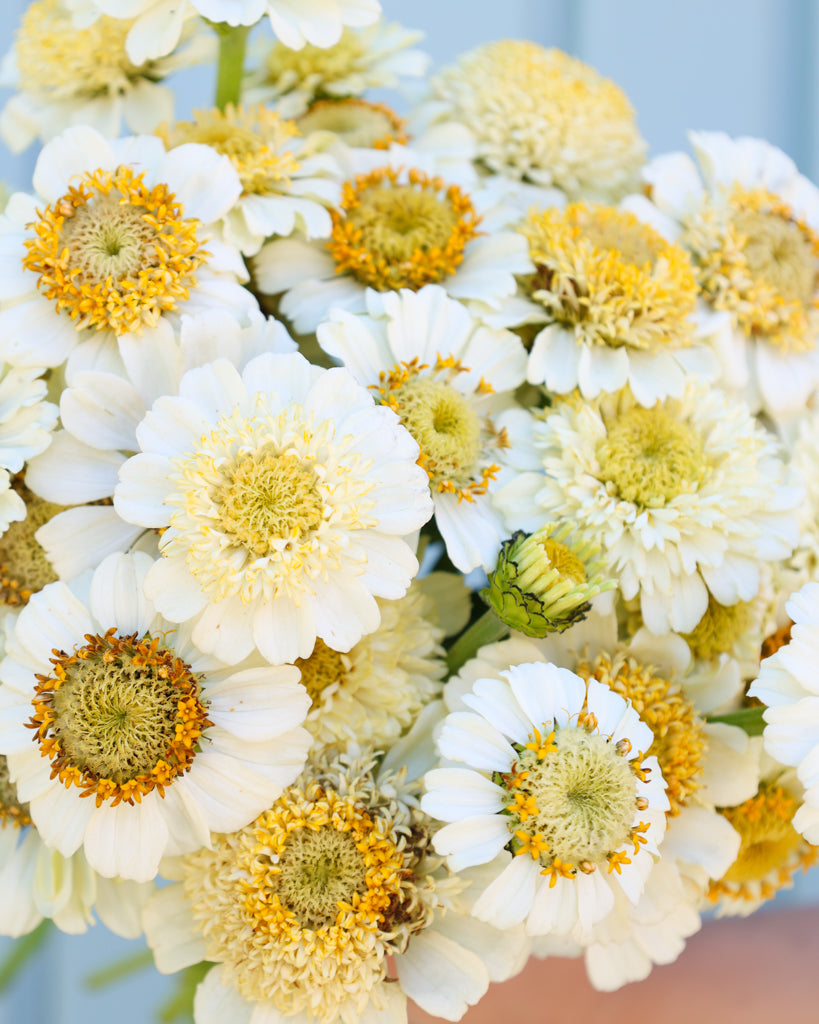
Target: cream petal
<point>440,975</point>
<point>171,932</point>
<point>217,1001</point>
<point>456,793</point>
<point>472,841</point>
<point>116,595</point>
<point>470,738</point>
<point>62,818</point>
<point>508,900</point>
<point>260,703</point>
<point>126,840</point>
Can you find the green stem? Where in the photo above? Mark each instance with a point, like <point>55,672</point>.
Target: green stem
<point>232,43</point>
<point>486,630</point>
<point>120,969</point>
<point>24,948</point>
<point>749,719</point>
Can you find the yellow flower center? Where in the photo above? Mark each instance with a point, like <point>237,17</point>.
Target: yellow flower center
<point>356,122</point>
<point>719,630</point>
<point>771,850</point>
<point>56,58</point>
<point>649,457</point>
<point>563,560</point>
<point>452,437</point>
<point>254,138</point>
<point>391,236</point>
<point>614,280</point>
<point>113,253</point>
<point>323,668</point>
<point>269,498</point>
<point>757,259</point>
<point>679,736</point>
<point>308,899</point>
<point>778,639</point>
<point>574,799</point>
<point>24,565</point>
<point>314,67</point>
<point>11,810</point>
<point>119,717</point>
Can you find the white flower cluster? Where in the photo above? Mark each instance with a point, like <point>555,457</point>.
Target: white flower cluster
<point>282,386</point>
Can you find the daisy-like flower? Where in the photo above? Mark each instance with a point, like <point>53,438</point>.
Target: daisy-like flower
<point>787,685</point>
<point>304,944</point>
<point>165,744</point>
<point>26,418</point>
<point>535,736</point>
<point>449,379</point>
<point>373,693</point>
<point>544,117</point>
<point>114,240</point>
<point>772,851</point>
<point>157,24</point>
<point>397,227</point>
<point>37,882</point>
<point>284,495</point>
<point>355,122</point>
<point>286,182</point>
<point>751,224</point>
<point>616,299</point>
<point>100,412</point>
<point>687,498</point>
<point>67,75</point>
<point>377,56</point>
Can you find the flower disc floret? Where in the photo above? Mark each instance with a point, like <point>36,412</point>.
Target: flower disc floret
<point>118,717</point>
<point>356,122</point>
<point>24,566</point>
<point>720,630</point>
<point>113,253</point>
<point>391,235</point>
<point>12,811</point>
<point>609,278</point>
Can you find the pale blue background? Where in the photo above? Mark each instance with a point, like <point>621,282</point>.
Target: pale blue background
<point>743,66</point>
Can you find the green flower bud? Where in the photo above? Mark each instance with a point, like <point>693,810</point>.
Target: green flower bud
<point>544,581</point>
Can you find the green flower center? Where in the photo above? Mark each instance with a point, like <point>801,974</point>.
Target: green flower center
<point>397,221</point>
<point>268,500</point>
<point>719,630</point>
<point>649,457</point>
<point>24,565</point>
<point>778,254</point>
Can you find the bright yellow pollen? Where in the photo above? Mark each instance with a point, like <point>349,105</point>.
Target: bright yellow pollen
<point>323,668</point>
<point>269,498</point>
<point>649,457</point>
<point>113,253</point>
<point>541,747</point>
<point>771,850</point>
<point>453,439</point>
<point>11,810</point>
<point>679,736</point>
<point>390,235</point>
<point>356,122</point>
<point>533,845</point>
<point>118,718</point>
<point>719,630</point>
<point>612,279</point>
<point>757,259</point>
<point>62,61</point>
<point>254,138</point>
<point>524,806</point>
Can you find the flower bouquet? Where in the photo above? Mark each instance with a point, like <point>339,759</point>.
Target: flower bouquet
<point>409,556</point>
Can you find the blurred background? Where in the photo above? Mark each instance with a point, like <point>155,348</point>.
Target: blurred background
<point>748,67</point>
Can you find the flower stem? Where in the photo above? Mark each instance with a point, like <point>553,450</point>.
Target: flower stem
<point>232,44</point>
<point>484,630</point>
<point>120,969</point>
<point>22,951</point>
<point>749,719</point>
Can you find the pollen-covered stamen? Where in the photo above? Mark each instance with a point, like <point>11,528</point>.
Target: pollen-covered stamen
<point>323,668</point>
<point>12,812</point>
<point>269,498</point>
<point>756,258</point>
<point>113,253</point>
<point>119,717</point>
<point>679,732</point>
<point>574,800</point>
<point>779,638</point>
<point>720,629</point>
<point>771,850</point>
<point>255,140</point>
<point>649,457</point>
<point>455,441</point>
<point>24,565</point>
<point>391,235</point>
<point>356,122</point>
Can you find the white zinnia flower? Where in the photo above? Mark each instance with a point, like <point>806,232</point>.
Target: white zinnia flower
<point>100,413</point>
<point>286,495</point>
<point>449,379</point>
<point>158,23</point>
<point>787,683</point>
<point>169,744</point>
<point>114,240</point>
<point>534,737</point>
<point>751,224</point>
<point>687,498</point>
<point>295,944</point>
<point>67,75</point>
